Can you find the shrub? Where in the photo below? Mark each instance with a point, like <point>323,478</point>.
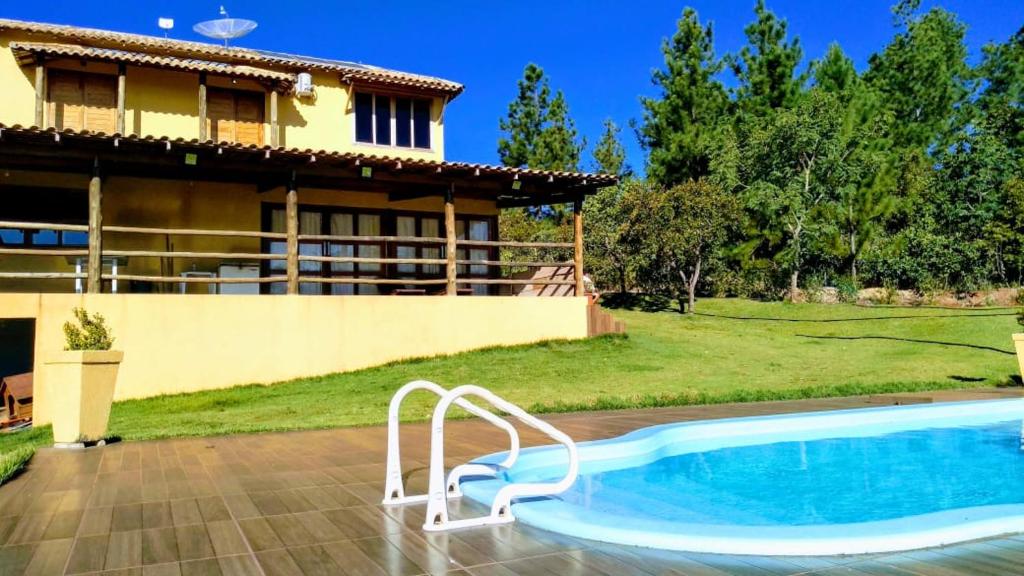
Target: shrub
<point>91,332</point>
<point>1020,302</point>
<point>846,289</point>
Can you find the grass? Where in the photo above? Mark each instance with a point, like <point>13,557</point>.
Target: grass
<point>733,350</point>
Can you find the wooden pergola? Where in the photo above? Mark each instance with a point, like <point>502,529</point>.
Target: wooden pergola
<point>267,168</point>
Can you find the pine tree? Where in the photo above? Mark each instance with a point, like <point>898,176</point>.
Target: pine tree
<point>539,133</point>
<point>679,128</point>
<point>557,147</point>
<point>766,66</point>
<point>609,155</point>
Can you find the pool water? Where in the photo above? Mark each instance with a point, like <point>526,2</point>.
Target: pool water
<point>827,481</point>
<point>841,482</point>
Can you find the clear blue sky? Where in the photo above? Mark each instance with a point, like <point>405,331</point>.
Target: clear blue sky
<point>600,52</point>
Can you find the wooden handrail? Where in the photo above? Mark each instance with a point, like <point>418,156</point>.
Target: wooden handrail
<point>45,251</point>
<point>44,226</point>
<point>195,232</point>
<point>194,279</point>
<point>512,244</point>
<point>357,260</point>
<point>41,275</point>
<point>515,281</point>
<point>222,255</point>
<point>397,239</point>
<point>513,264</point>
<point>382,281</point>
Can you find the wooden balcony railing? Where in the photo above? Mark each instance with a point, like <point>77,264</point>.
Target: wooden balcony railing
<point>293,275</point>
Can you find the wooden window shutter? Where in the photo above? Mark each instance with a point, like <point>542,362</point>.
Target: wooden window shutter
<point>235,116</point>
<point>220,112</point>
<point>249,118</point>
<point>82,101</point>
<point>100,96</point>
<point>67,110</point>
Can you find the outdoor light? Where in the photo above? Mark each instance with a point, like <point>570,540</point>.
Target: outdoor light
<point>517,184</point>
<point>367,172</point>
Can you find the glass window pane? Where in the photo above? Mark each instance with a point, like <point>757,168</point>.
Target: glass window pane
<point>309,222</point>
<point>403,122</point>
<point>405,252</point>
<point>74,238</point>
<point>369,225</point>
<point>44,238</point>
<point>478,269</point>
<point>368,289</point>
<point>460,229</point>
<point>342,251</point>
<point>405,226</point>
<point>383,119</point>
<point>432,254</point>
<point>342,289</point>
<point>430,228</point>
<point>277,220</point>
<point>364,117</point>
<point>310,250</point>
<point>309,288</point>
<point>12,236</point>
<point>279,247</point>
<point>369,251</point>
<point>460,254</point>
<point>342,225</point>
<point>278,288</point>
<point>479,230</point>
<point>421,123</point>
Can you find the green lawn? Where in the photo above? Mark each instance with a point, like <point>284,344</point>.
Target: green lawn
<point>733,350</point>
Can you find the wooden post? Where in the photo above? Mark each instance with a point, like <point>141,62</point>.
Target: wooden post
<point>40,92</point>
<point>94,270</point>
<point>274,135</point>
<point>577,256</point>
<point>450,239</point>
<point>292,229</point>
<point>202,107</point>
<point>121,70</point>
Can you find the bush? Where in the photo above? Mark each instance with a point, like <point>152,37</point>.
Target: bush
<point>1020,302</point>
<point>91,332</point>
<point>846,289</point>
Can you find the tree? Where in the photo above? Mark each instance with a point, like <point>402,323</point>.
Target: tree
<point>608,258</point>
<point>674,232</point>
<point>766,67</point>
<point>795,166</point>
<point>1002,100</point>
<point>539,133</point>
<point>922,76</point>
<point>609,154</point>
<point>679,127</point>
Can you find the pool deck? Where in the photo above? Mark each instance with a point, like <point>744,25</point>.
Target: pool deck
<point>308,503</point>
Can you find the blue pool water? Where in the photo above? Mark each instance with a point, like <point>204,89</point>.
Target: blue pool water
<point>842,482</point>
<point>828,481</point>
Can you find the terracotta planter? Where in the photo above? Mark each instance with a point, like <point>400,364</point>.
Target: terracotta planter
<point>1018,342</point>
<point>81,389</point>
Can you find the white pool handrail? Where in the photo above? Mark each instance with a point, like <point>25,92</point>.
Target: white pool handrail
<point>501,508</point>
<point>394,487</point>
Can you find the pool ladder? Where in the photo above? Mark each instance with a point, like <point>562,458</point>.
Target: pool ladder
<point>441,489</point>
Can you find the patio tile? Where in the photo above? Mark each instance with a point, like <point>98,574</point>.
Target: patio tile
<point>126,517</point>
<point>193,542</point>
<point>259,534</point>
<point>63,525</point>
<point>156,515</point>
<point>207,567</point>
<point>278,563</point>
<point>124,550</point>
<point>290,530</point>
<point>352,560</point>
<point>159,546</point>
<point>170,569</point>
<point>314,561</point>
<point>226,538</point>
<point>14,559</point>
<point>96,521</point>
<point>213,509</point>
<point>238,565</point>
<point>88,555</point>
<point>30,528</point>
<point>185,512</point>
<point>49,558</point>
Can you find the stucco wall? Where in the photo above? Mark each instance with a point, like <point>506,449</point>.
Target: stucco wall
<point>166,103</point>
<point>175,343</point>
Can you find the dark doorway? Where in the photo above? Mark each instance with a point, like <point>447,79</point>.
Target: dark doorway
<point>17,341</point>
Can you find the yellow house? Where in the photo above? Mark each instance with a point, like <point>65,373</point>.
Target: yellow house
<point>249,216</point>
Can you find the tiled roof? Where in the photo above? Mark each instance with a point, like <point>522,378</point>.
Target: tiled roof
<point>187,49</point>
<point>25,52</point>
<point>321,156</point>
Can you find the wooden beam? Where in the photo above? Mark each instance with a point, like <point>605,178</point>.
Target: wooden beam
<point>40,93</point>
<point>202,107</point>
<point>450,245</point>
<point>275,136</point>
<point>121,70</point>
<point>577,252</point>
<point>94,270</point>
<point>292,228</point>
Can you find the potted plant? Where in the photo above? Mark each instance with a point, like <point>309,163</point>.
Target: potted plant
<point>1018,339</point>
<point>81,382</point>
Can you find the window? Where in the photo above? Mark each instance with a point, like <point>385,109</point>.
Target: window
<point>387,121</point>
<point>235,116</point>
<point>80,101</point>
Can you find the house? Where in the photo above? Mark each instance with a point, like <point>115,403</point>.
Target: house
<point>248,216</point>
<point>16,393</point>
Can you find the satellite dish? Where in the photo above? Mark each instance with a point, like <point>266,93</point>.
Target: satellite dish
<point>225,28</point>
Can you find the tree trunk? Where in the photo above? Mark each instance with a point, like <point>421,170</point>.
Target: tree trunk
<point>793,284</point>
<point>853,256</point>
<point>691,286</point>
<point>622,279</point>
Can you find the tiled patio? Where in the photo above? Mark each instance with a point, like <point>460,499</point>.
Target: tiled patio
<point>308,503</point>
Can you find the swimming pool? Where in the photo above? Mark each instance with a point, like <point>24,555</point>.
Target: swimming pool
<point>842,482</point>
